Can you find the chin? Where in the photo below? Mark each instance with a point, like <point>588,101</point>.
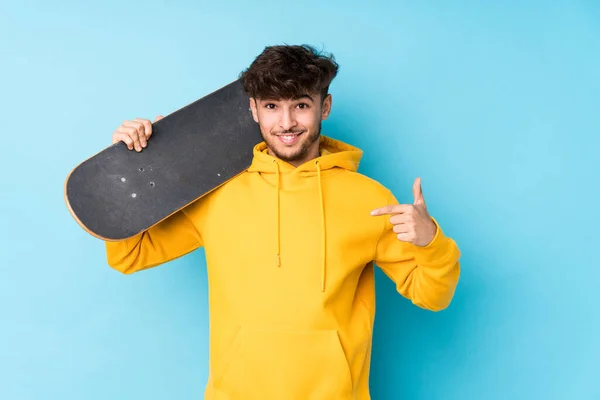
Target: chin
<point>293,151</point>
<point>289,155</point>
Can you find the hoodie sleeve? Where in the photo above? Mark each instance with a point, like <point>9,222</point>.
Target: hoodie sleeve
<point>426,275</point>
<point>172,238</point>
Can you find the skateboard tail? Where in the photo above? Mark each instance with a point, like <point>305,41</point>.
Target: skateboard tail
<point>108,239</point>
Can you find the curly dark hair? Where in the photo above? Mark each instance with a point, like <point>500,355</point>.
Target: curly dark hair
<point>288,72</point>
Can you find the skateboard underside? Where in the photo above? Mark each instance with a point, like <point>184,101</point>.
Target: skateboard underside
<point>119,193</point>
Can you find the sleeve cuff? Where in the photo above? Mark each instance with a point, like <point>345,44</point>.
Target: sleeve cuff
<point>439,250</point>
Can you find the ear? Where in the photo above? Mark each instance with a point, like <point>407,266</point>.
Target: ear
<point>326,107</point>
<point>254,109</point>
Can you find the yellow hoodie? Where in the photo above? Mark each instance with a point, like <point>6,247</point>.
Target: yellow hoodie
<point>290,255</point>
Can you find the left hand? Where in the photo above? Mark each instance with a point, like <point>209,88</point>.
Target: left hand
<point>412,222</point>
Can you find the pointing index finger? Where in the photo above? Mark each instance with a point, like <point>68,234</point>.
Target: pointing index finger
<point>391,209</point>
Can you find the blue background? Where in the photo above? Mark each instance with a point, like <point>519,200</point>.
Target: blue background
<point>495,106</point>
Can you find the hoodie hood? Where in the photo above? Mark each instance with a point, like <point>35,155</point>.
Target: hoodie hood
<point>334,156</point>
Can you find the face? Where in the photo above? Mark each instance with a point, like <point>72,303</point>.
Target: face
<point>291,128</point>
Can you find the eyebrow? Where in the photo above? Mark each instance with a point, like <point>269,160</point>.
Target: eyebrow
<point>304,96</point>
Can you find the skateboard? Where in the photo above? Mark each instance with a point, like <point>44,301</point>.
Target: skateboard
<point>119,193</point>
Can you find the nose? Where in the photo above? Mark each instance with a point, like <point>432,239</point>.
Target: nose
<point>287,121</point>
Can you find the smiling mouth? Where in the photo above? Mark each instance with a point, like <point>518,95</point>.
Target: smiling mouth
<point>289,138</point>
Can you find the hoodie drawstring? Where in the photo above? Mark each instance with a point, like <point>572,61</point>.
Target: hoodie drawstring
<point>323,230</point>
<point>278,255</point>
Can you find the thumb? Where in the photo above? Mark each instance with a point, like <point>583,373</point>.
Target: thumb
<point>158,118</point>
<point>418,192</point>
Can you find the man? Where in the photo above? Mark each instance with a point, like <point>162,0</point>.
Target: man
<point>291,245</point>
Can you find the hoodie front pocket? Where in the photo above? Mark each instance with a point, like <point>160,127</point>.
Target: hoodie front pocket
<point>290,365</point>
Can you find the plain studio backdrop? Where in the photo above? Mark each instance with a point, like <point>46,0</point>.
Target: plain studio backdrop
<point>494,104</point>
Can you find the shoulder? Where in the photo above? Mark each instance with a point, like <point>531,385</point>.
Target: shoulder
<point>203,203</point>
<point>362,185</point>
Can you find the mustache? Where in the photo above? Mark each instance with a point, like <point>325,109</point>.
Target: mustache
<point>288,132</point>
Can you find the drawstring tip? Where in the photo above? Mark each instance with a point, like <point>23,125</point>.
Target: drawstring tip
<point>278,260</point>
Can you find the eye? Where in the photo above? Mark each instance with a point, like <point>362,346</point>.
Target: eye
<point>303,105</point>
<point>270,106</point>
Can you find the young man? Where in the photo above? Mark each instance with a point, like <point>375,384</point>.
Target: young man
<point>291,245</point>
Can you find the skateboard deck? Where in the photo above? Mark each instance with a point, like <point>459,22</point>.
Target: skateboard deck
<point>118,193</point>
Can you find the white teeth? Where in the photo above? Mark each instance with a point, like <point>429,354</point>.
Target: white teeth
<point>288,138</point>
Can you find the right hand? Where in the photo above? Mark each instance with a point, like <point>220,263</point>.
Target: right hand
<point>135,133</point>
